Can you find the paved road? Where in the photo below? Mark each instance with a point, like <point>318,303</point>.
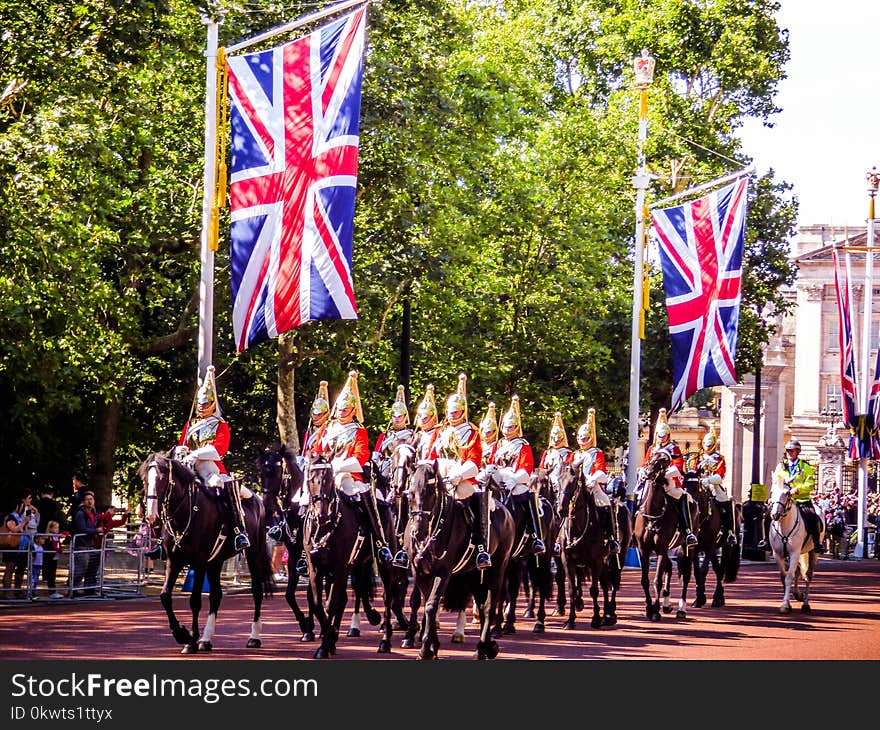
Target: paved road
<point>845,624</point>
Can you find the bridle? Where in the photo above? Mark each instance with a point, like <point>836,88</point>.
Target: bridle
<point>165,512</point>
<point>436,515</point>
<point>578,491</point>
<point>657,468</point>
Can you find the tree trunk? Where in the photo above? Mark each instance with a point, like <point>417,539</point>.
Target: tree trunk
<point>286,418</point>
<point>106,434</point>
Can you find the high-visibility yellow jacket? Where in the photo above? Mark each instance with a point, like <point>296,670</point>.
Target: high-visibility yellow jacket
<point>800,476</point>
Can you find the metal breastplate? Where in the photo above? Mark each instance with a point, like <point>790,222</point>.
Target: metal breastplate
<point>424,444</point>
<point>393,439</point>
<point>340,436</point>
<point>710,463</point>
<point>586,459</point>
<point>202,433</point>
<point>453,439</point>
<point>508,452</point>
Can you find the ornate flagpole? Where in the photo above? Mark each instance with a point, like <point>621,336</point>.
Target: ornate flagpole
<point>209,193</point>
<point>644,71</point>
<point>873,179</point>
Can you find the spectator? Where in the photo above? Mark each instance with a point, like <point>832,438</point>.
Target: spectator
<point>49,509</point>
<point>108,519</point>
<point>78,493</point>
<point>22,521</point>
<point>86,559</point>
<point>36,563</point>
<point>51,553</point>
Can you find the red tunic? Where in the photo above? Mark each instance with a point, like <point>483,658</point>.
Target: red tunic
<point>340,441</point>
<point>214,432</point>
<point>313,442</point>
<point>593,456</point>
<point>515,458</point>
<point>471,450</point>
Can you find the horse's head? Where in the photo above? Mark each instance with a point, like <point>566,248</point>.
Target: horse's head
<point>280,477</point>
<point>322,488</point>
<point>570,480</point>
<point>424,491</point>
<point>160,475</point>
<point>402,461</point>
<point>780,500</point>
<point>540,483</point>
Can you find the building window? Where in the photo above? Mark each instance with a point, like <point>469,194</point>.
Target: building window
<point>831,341</point>
<point>833,399</point>
<point>875,333</point>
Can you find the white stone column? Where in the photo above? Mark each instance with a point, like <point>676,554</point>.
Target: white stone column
<point>808,351</point>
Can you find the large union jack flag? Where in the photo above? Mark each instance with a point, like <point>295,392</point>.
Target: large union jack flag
<point>701,249</point>
<point>295,125</point>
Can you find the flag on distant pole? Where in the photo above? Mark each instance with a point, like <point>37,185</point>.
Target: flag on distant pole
<point>701,250</point>
<point>295,117</point>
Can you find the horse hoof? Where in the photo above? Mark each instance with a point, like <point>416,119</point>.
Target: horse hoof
<point>699,603</point>
<point>307,636</point>
<point>528,613</point>
<point>426,653</point>
<point>182,635</point>
<point>321,653</point>
<point>354,632</point>
<point>806,608</point>
<point>374,617</point>
<point>539,627</point>
<point>784,610</point>
<point>568,626</point>
<point>508,629</point>
<point>384,647</point>
<point>667,609</point>
<point>408,643</point>
<point>596,623</point>
<point>492,649</point>
<point>655,617</point>
<point>458,638</point>
<point>205,646</point>
<point>496,633</point>
<point>680,614</point>
<point>254,644</point>
<point>717,603</point>
<point>609,621</point>
<point>558,611</point>
<point>190,649</point>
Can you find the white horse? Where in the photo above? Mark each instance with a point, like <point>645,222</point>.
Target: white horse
<point>792,546</point>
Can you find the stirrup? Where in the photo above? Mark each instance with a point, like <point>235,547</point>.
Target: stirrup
<point>762,545</point>
<point>302,567</point>
<point>690,539</point>
<point>731,539</point>
<point>483,560</point>
<point>401,560</point>
<point>242,542</point>
<point>383,554</point>
<point>538,547</point>
<point>613,546</point>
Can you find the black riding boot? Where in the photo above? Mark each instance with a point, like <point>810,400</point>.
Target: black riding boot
<point>813,525</point>
<point>538,547</point>
<point>727,521</point>
<point>608,525</point>
<point>479,503</point>
<point>240,540</point>
<point>684,521</point>
<point>374,525</point>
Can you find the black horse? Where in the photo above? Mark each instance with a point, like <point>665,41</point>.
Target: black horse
<point>585,552</point>
<point>711,541</point>
<point>281,480</point>
<point>532,572</point>
<point>443,559</point>
<point>655,531</point>
<point>194,520</point>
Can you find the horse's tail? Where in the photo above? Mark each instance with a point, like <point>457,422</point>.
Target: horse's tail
<point>730,555</point>
<point>260,563</point>
<point>362,580</point>
<point>458,594</point>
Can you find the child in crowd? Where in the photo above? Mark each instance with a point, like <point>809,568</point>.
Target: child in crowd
<point>36,562</point>
<point>51,554</point>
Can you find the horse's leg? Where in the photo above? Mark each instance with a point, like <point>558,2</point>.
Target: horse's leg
<point>559,579</point>
<point>596,619</point>
<point>354,628</point>
<point>431,644</point>
<point>195,607</point>
<point>787,581</point>
<point>651,613</point>
<point>460,624</point>
<point>260,568</point>
<point>807,565</point>
<point>719,568</point>
<point>173,566</point>
<point>532,590</point>
<point>388,589</point>
<point>514,581</point>
<point>664,571</point>
<point>412,625</point>
<point>316,607</point>
<point>572,578</point>
<point>685,567</point>
<point>306,624</point>
<point>215,596</point>
<point>701,570</point>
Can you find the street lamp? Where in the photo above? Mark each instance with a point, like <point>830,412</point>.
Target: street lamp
<point>832,414</point>
<point>643,66</point>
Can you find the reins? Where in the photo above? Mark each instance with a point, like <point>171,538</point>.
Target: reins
<point>165,511</point>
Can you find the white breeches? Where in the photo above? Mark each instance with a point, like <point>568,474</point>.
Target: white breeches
<point>673,490</point>
<point>349,486</point>
<point>600,497</point>
<point>211,475</point>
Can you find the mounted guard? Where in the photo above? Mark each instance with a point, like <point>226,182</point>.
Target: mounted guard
<point>712,468</point>
<point>557,451</point>
<point>663,441</point>
<point>591,460</point>
<point>427,426</point>
<point>489,435</point>
<point>207,441</point>
<point>347,442</point>
<point>514,463</point>
<point>396,432</point>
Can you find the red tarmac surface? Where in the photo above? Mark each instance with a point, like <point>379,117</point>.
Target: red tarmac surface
<point>844,624</point>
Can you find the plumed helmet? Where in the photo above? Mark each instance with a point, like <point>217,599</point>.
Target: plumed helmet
<point>587,431</point>
<point>557,430</point>
<point>207,392</point>
<point>710,440</point>
<point>398,408</point>
<point>427,407</point>
<point>512,417</point>
<point>321,404</point>
<point>458,400</point>
<point>661,430</point>
<point>349,397</point>
<point>793,444</point>
<point>490,420</point>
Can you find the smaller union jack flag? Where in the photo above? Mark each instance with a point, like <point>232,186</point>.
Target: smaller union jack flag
<point>295,133</point>
<point>701,250</point>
